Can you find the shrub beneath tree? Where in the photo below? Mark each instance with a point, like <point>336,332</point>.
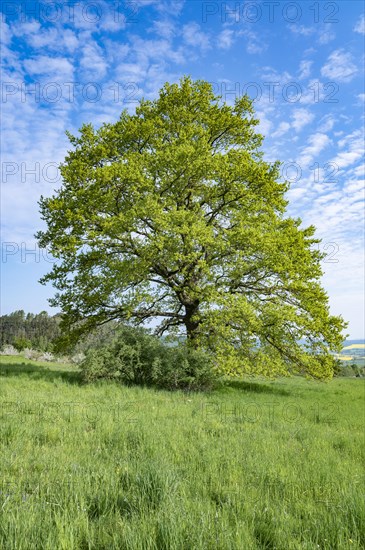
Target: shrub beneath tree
<point>136,357</point>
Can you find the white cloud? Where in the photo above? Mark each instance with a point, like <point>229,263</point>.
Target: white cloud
<point>316,143</point>
<point>153,51</point>
<point>41,39</point>
<point>167,7</point>
<point>300,118</point>
<point>194,36</point>
<point>353,187</point>
<point>326,34</point>
<point>326,124</point>
<point>296,193</point>
<point>358,171</point>
<point>354,144</point>
<point>54,39</point>
<point>225,39</point>
<point>272,75</point>
<point>26,28</point>
<point>163,28</point>
<point>9,57</point>
<point>265,124</point>
<point>56,67</point>
<point>338,214</point>
<point>143,3</point>
<point>339,67</point>
<point>255,47</point>
<point>255,42</point>
<point>302,30</point>
<point>360,25</point>
<point>131,72</point>
<point>305,68</point>
<point>93,60</point>
<point>5,33</point>
<point>116,53</point>
<point>282,129</point>
<point>70,40</point>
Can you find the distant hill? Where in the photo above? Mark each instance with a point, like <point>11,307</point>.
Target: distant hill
<point>353,343</point>
<point>353,352</point>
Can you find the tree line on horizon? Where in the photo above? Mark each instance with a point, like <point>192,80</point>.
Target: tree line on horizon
<point>29,330</point>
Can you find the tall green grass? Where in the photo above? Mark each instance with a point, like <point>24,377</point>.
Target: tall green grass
<point>252,465</point>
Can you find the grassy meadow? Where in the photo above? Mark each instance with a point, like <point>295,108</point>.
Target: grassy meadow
<point>255,464</point>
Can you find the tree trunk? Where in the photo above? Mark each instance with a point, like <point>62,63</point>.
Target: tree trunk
<point>191,325</point>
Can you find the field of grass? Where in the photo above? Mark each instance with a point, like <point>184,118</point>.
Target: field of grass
<point>252,465</point>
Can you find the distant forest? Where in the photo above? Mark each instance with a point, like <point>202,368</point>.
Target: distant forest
<point>28,330</point>
<point>39,332</point>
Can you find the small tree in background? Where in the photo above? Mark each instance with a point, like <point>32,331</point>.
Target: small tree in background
<point>173,214</point>
<point>21,343</point>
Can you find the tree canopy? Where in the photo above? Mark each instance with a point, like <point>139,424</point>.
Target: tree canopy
<point>173,214</point>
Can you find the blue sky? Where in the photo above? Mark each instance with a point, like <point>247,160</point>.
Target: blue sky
<point>66,63</point>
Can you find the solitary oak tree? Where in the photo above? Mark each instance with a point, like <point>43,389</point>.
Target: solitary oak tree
<point>172,214</point>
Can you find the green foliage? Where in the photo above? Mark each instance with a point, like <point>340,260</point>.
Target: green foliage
<point>98,337</point>
<point>184,368</point>
<point>337,366</point>
<point>20,343</point>
<point>135,357</point>
<point>173,214</point>
<point>346,369</point>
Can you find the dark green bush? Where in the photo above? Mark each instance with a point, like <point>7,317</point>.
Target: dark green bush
<point>338,368</point>
<point>349,370</point>
<point>136,357</point>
